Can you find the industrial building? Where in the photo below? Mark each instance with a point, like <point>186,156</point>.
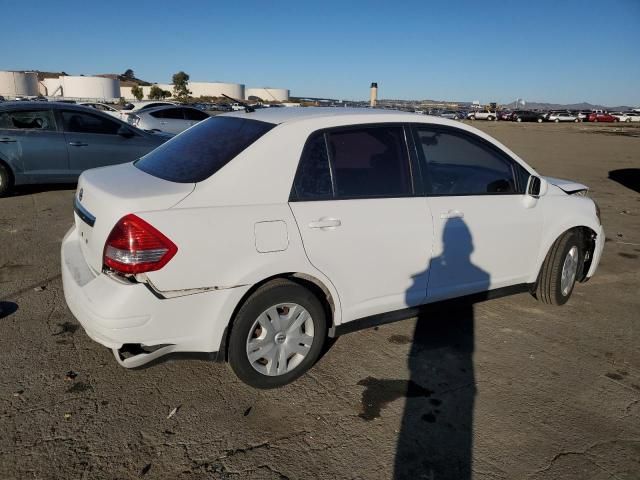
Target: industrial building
<point>197,89</point>
<point>108,89</point>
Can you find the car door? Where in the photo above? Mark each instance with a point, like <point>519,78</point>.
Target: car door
<point>361,221</point>
<point>486,235</point>
<point>34,147</point>
<point>93,140</point>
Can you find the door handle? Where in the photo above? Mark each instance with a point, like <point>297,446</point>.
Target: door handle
<point>78,144</point>
<point>7,140</point>
<point>325,223</point>
<point>452,214</point>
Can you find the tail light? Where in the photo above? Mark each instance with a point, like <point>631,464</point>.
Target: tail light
<point>134,246</point>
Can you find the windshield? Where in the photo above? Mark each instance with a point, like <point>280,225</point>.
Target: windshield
<point>202,150</point>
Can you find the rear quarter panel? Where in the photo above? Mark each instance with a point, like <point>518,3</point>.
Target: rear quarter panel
<point>217,248</point>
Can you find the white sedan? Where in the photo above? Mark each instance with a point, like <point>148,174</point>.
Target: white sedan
<point>562,117</point>
<point>627,117</point>
<point>257,235</point>
<point>170,119</point>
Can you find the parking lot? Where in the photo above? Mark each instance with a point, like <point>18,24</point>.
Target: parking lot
<point>504,389</point>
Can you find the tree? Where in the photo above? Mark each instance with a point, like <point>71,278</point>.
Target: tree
<point>137,92</point>
<point>128,74</point>
<point>180,85</point>
<point>156,93</point>
<point>166,94</point>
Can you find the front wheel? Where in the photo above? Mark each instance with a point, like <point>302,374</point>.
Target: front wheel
<point>560,269</point>
<point>518,120</point>
<point>557,120</point>
<point>5,180</point>
<point>277,335</point>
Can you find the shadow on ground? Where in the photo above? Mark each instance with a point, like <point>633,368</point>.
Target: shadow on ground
<point>7,308</point>
<point>628,177</point>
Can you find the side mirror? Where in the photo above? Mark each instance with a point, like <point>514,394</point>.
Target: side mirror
<point>534,186</point>
<point>125,132</point>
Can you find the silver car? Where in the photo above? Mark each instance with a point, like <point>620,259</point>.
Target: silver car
<point>171,119</point>
<point>55,142</point>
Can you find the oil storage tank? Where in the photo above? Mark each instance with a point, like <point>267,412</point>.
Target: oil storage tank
<point>18,84</point>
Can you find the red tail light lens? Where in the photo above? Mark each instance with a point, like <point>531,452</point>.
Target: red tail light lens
<point>134,246</point>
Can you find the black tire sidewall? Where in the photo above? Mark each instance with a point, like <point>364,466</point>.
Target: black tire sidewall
<point>572,240</point>
<point>5,180</point>
<point>255,305</point>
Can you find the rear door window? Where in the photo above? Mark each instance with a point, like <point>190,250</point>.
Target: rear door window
<point>193,114</point>
<point>199,152</point>
<point>370,162</point>
<point>28,120</point>
<point>81,122</point>
<point>172,113</point>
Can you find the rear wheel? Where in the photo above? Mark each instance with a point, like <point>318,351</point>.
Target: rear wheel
<point>277,335</point>
<point>518,120</point>
<point>560,269</point>
<point>6,180</point>
<point>557,120</point>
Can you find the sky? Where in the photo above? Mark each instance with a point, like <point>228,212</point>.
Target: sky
<point>561,51</point>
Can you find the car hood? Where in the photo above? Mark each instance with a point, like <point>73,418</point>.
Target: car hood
<point>568,186</point>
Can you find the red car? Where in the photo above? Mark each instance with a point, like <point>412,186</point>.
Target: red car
<point>601,117</point>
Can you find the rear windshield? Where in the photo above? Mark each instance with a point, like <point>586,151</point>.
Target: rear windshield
<point>201,151</point>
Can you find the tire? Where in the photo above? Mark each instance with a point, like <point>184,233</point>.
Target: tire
<point>557,121</point>
<point>6,180</point>
<point>490,118</point>
<point>539,120</point>
<point>616,120</point>
<point>576,121</point>
<point>565,254</point>
<point>519,120</point>
<point>282,299</point>
<point>628,120</point>
<point>595,120</point>
<point>472,117</point>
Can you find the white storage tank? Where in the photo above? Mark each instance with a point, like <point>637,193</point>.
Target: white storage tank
<point>89,87</point>
<point>14,84</point>
<point>215,89</point>
<point>268,94</point>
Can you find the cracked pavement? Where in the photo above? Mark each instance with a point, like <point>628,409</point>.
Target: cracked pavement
<point>504,389</point>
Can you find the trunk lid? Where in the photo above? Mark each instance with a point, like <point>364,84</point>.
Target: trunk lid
<point>107,194</point>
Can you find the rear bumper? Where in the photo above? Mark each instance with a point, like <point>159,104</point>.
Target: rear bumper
<point>114,313</point>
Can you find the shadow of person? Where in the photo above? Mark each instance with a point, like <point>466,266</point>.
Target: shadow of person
<point>436,433</point>
<point>628,177</point>
<point>7,308</point>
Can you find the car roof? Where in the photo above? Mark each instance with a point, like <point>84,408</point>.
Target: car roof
<point>42,105</point>
<point>295,114</point>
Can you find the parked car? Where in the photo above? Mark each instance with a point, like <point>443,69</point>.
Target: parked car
<point>505,115</point>
<point>103,107</point>
<point>450,114</point>
<point>527,116</point>
<point>562,117</point>
<point>627,117</point>
<point>601,117</point>
<point>138,106</point>
<point>260,245</point>
<point>482,115</point>
<point>55,142</point>
<point>171,119</point>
